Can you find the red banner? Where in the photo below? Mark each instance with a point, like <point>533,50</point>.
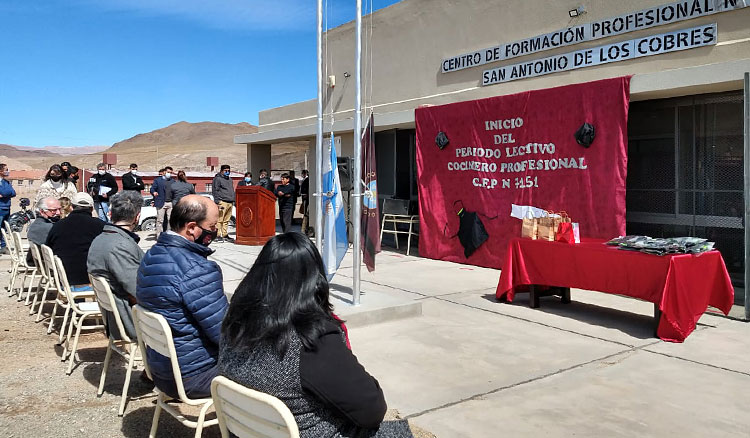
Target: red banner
<point>476,158</point>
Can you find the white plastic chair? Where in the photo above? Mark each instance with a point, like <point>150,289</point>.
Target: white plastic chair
<point>78,312</point>
<point>248,413</point>
<point>45,284</point>
<point>127,347</point>
<point>29,271</point>
<point>15,263</point>
<point>154,332</point>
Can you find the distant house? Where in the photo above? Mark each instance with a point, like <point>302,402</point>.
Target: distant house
<point>26,182</point>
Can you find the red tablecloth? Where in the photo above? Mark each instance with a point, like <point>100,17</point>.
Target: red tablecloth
<point>682,285</point>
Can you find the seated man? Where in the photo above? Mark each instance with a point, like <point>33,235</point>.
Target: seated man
<point>71,238</point>
<point>47,213</point>
<point>115,255</point>
<point>177,281</point>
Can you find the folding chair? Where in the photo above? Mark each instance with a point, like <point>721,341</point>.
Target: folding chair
<point>78,311</point>
<point>14,261</point>
<point>56,275</point>
<point>45,283</point>
<point>154,332</point>
<point>395,212</point>
<point>23,266</point>
<point>250,414</point>
<point>106,300</point>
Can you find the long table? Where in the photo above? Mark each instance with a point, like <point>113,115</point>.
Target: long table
<point>681,286</point>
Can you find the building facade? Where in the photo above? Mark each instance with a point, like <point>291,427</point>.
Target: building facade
<point>687,59</point>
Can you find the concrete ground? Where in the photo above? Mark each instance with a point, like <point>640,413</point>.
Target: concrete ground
<point>449,357</point>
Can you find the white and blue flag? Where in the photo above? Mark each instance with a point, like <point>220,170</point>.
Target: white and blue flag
<point>335,241</point>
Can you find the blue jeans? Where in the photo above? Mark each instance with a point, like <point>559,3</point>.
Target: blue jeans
<point>102,209</point>
<point>4,215</point>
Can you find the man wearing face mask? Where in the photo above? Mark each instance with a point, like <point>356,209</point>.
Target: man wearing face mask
<point>162,199</point>
<point>6,193</point>
<point>47,213</point>
<point>177,281</point>
<point>247,181</point>
<point>116,256</point>
<point>222,189</point>
<point>131,180</point>
<point>102,186</point>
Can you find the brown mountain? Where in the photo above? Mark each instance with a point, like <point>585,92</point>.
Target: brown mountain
<point>66,150</point>
<point>181,145</point>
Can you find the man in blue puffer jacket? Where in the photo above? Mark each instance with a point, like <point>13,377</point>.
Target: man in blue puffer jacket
<point>177,281</point>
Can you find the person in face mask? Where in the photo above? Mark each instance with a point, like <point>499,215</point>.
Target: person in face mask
<point>222,189</point>
<point>115,255</point>
<point>162,199</point>
<point>6,193</point>
<point>47,213</point>
<point>102,186</point>
<point>55,185</point>
<point>247,181</point>
<point>131,180</point>
<point>177,281</point>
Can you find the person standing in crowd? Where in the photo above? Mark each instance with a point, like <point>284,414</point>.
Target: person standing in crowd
<point>285,194</point>
<point>56,185</point>
<point>73,176</point>
<point>70,239</point>
<point>280,337</point>
<point>180,188</point>
<point>247,180</point>
<point>177,281</point>
<point>102,186</point>
<point>265,181</point>
<point>223,192</point>
<point>6,193</point>
<point>161,202</point>
<point>304,191</point>
<point>131,180</point>
<point>295,182</point>
<point>65,166</point>
<point>116,256</point>
<point>47,214</point>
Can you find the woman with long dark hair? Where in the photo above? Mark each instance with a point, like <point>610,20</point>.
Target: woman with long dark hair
<point>56,185</point>
<point>180,188</point>
<point>280,337</point>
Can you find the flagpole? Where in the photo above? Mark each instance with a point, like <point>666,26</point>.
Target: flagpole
<point>319,139</point>
<point>357,177</point>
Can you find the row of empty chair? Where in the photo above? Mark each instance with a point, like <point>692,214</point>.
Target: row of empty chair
<point>239,410</point>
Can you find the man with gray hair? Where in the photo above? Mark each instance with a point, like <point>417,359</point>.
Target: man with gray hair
<point>115,255</point>
<point>47,213</point>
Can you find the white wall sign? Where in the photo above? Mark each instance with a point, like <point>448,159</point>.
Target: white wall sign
<point>636,48</point>
<point>643,19</point>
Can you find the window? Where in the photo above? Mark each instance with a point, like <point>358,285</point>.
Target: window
<point>30,182</point>
<point>685,172</point>
<point>19,182</point>
<point>209,187</point>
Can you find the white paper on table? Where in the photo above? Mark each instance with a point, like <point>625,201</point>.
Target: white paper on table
<point>103,190</point>
<point>526,211</point>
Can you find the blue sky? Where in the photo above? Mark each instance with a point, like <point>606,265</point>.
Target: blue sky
<point>94,72</point>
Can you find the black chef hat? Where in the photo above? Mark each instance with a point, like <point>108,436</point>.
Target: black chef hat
<point>441,140</point>
<point>585,135</point>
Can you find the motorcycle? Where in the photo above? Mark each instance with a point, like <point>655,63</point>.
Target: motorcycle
<point>19,219</point>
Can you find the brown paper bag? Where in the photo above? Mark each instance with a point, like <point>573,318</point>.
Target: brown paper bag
<point>529,228</point>
<point>547,228</point>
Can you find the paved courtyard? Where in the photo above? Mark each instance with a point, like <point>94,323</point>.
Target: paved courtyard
<point>449,357</point>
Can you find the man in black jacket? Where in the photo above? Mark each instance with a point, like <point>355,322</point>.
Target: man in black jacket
<point>222,189</point>
<point>265,181</point>
<point>101,187</point>
<point>285,193</point>
<point>304,191</point>
<point>71,238</point>
<point>131,180</point>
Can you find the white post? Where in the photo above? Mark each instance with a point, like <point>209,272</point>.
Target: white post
<point>357,177</point>
<point>319,139</point>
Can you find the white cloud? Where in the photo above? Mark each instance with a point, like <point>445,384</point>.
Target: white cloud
<point>222,14</point>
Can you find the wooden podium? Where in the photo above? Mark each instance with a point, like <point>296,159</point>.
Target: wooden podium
<point>256,215</point>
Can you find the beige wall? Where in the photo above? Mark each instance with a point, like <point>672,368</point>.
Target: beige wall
<point>411,38</point>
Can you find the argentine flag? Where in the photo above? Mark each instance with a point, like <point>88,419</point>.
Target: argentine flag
<point>335,241</point>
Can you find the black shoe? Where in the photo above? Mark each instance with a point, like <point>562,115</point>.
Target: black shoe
<point>219,240</point>
<point>229,239</point>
